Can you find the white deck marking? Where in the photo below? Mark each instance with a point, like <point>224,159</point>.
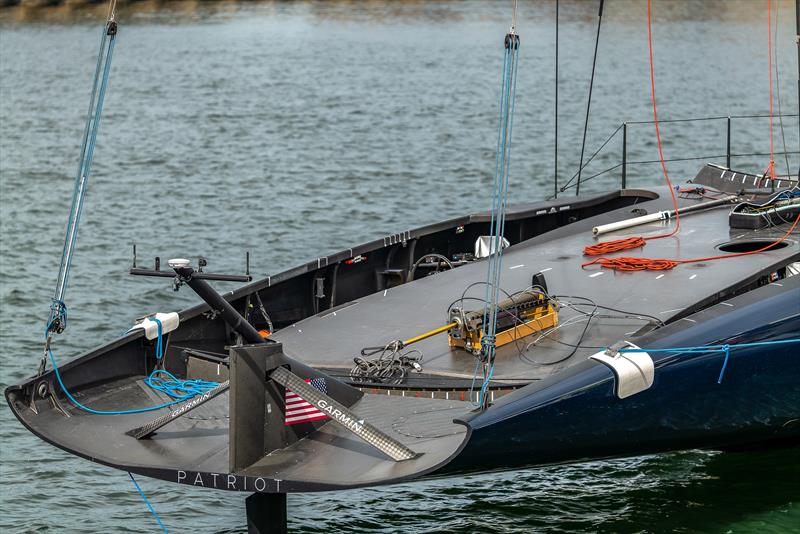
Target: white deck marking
<point>595,274</point>
<point>545,270</point>
<point>384,292</point>
<point>670,311</point>
<point>693,277</point>
<point>516,266</point>
<point>690,320</point>
<point>659,277</point>
<point>727,304</point>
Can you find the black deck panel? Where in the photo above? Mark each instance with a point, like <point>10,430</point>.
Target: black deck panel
<point>331,340</point>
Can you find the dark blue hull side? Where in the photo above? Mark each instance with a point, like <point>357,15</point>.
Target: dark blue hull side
<point>576,415</point>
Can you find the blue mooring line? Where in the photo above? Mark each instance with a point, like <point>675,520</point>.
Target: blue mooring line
<point>716,348</point>
<point>172,387</point>
<point>147,502</point>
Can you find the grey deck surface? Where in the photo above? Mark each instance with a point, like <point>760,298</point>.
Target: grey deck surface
<point>424,425</point>
<point>331,340</point>
<point>332,455</point>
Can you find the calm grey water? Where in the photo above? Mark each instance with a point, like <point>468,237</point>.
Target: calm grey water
<point>297,129</point>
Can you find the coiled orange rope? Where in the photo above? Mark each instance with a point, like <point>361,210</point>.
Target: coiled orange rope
<point>642,264</point>
<point>608,247</point>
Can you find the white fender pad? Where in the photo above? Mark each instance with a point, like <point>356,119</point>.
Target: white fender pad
<point>169,322</point>
<point>633,371</point>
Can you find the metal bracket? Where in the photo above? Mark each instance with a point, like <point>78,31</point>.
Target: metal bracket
<point>633,371</point>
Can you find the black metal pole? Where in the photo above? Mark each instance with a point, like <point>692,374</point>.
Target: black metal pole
<point>728,150</point>
<point>555,150</point>
<point>215,300</point>
<point>589,101</point>
<point>624,155</point>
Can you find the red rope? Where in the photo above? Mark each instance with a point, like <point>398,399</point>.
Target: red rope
<point>641,264</point>
<point>636,242</point>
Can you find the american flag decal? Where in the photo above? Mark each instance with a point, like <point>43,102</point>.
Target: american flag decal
<point>300,411</point>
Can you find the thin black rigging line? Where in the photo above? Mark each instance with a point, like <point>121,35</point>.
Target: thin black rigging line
<point>555,151</point>
<point>589,101</point>
<point>778,89</point>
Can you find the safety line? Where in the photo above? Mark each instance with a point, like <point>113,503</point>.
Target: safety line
<point>726,348</point>
<point>147,502</point>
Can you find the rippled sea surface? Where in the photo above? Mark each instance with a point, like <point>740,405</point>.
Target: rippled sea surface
<point>297,129</point>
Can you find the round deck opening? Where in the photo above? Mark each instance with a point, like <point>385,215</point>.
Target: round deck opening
<point>750,245</point>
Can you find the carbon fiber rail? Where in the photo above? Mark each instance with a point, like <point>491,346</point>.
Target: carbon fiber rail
<point>337,412</point>
<point>147,430</point>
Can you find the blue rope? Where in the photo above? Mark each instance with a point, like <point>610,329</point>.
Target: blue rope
<point>57,320</point>
<point>147,502</point>
<point>176,388</point>
<point>715,348</point>
<point>180,390</point>
<point>159,344</point>
<point>498,214</point>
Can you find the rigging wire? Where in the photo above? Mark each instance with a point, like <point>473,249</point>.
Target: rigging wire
<point>589,100</point>
<point>640,264</point>
<point>57,322</point>
<point>608,247</point>
<point>499,202</point>
<point>555,149</point>
<point>778,91</point>
<point>771,168</point>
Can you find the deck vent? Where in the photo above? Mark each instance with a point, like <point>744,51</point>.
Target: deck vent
<point>750,245</point>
